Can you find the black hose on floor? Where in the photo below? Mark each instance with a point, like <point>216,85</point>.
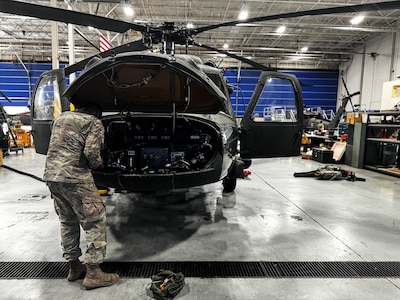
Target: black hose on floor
<point>23,173</point>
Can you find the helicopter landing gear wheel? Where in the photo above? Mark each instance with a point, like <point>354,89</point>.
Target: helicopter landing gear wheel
<point>229,184</point>
<point>247,163</point>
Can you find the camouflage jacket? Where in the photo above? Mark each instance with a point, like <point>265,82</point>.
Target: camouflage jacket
<point>74,148</point>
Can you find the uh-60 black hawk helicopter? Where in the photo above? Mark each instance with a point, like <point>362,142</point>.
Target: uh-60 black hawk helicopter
<point>168,118</point>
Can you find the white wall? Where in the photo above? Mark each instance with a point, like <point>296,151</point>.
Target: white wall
<point>367,72</point>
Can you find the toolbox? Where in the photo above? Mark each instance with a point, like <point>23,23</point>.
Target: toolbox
<point>322,155</point>
<point>352,118</point>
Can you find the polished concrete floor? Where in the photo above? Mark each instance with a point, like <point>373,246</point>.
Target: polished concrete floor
<point>272,216</point>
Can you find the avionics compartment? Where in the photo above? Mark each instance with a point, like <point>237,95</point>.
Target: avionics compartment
<point>148,145</point>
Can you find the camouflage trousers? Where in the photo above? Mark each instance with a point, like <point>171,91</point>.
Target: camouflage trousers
<point>77,205</point>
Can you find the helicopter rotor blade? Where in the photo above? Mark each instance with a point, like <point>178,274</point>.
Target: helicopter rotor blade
<point>243,59</point>
<point>86,39</point>
<point>67,16</point>
<point>388,5</point>
<point>240,58</point>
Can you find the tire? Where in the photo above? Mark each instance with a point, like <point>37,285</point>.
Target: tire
<point>229,184</point>
<point>247,163</point>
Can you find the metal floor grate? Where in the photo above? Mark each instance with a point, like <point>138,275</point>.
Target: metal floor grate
<point>214,269</point>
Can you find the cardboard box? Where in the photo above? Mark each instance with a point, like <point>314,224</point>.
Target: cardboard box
<point>322,155</point>
<point>352,118</point>
<point>23,138</point>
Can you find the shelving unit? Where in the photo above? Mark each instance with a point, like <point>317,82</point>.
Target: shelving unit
<point>382,143</point>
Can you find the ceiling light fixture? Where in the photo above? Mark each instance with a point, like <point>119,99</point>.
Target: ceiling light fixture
<point>189,25</point>
<point>304,49</point>
<point>128,8</point>
<point>244,12</point>
<point>225,46</point>
<point>281,29</point>
<point>128,11</point>
<point>357,20</point>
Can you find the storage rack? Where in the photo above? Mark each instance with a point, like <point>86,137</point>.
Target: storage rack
<point>382,143</point>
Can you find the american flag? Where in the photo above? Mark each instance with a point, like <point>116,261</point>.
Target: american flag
<point>104,44</point>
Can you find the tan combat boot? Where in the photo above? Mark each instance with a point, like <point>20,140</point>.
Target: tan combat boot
<point>76,270</point>
<point>96,278</point>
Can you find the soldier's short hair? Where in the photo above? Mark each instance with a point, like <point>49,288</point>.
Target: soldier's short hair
<point>92,109</point>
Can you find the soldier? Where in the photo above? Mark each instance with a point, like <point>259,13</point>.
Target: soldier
<point>74,150</point>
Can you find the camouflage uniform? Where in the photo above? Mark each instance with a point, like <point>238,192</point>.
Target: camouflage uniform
<point>74,150</point>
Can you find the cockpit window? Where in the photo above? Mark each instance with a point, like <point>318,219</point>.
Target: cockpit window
<point>277,102</point>
<point>47,99</point>
<point>217,79</point>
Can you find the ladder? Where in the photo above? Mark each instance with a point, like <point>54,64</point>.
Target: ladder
<point>9,134</point>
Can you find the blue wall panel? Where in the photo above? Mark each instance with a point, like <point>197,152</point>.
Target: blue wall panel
<point>18,84</point>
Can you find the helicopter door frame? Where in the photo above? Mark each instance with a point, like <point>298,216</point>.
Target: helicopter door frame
<point>272,124</point>
<point>46,104</point>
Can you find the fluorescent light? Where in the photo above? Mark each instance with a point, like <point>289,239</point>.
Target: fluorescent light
<point>219,55</point>
<point>352,28</point>
<point>225,46</point>
<point>140,21</point>
<point>281,29</point>
<point>357,20</point>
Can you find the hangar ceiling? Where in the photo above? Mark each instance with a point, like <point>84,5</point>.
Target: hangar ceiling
<point>330,39</point>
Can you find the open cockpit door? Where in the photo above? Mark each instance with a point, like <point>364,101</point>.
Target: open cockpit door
<point>273,122</point>
<point>46,104</point>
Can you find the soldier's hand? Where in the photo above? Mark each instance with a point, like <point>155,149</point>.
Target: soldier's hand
<point>101,163</point>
